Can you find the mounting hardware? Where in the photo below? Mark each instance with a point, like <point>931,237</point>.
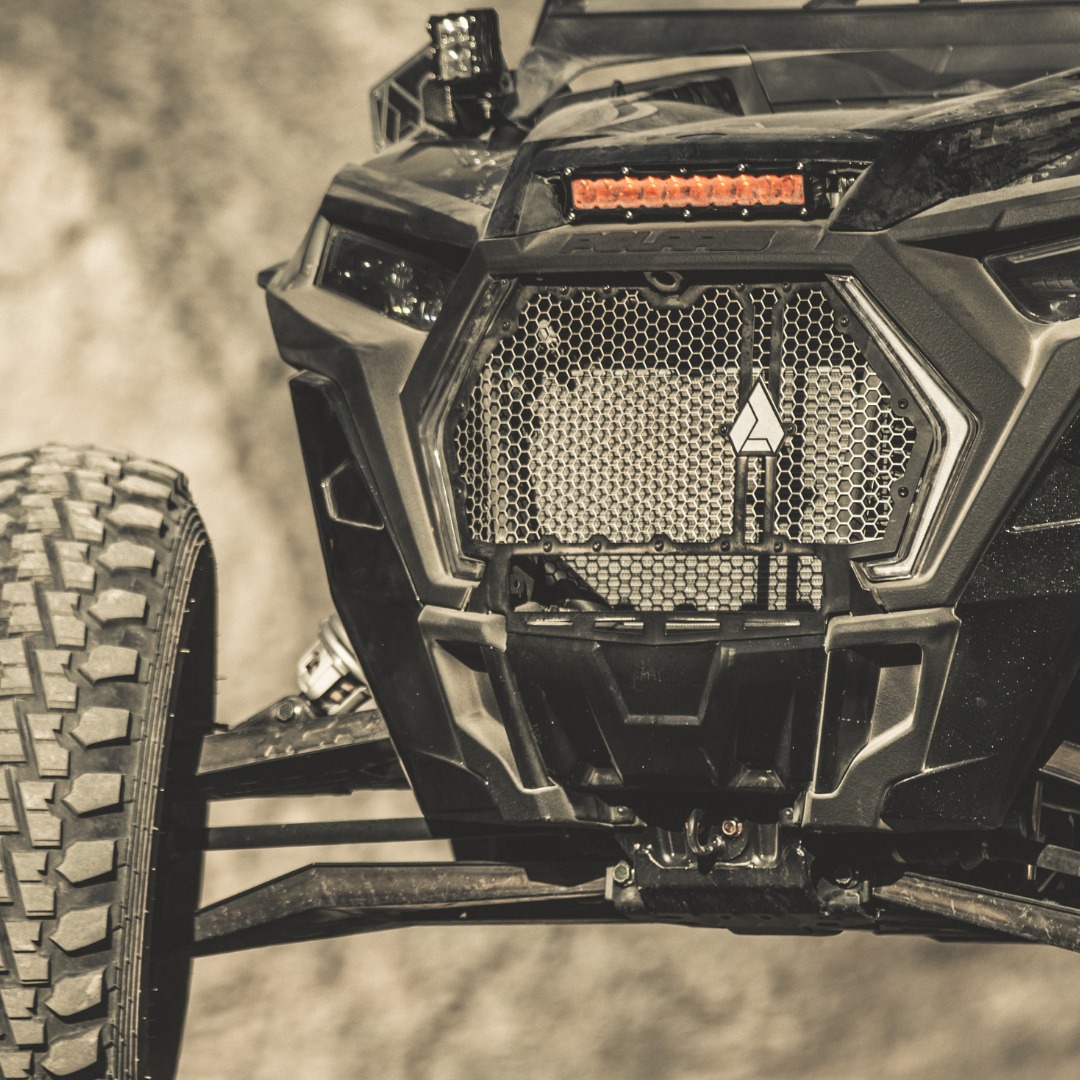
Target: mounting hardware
<point>288,710</point>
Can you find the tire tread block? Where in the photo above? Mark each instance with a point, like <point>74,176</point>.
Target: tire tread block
<point>82,517</point>
<point>15,1066</point>
<point>124,555</point>
<point>115,604</point>
<point>144,488</point>
<point>72,1055</point>
<point>81,928</point>
<point>110,662</point>
<point>100,724</point>
<point>94,791</point>
<point>77,993</point>
<point>85,860</point>
<point>67,628</point>
<point>75,571</point>
<point>136,518</point>
<point>11,746</point>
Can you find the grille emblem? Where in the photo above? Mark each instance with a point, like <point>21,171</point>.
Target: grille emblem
<point>757,428</point>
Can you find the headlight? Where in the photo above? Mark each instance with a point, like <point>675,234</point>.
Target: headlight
<point>1043,282</point>
<point>399,284</point>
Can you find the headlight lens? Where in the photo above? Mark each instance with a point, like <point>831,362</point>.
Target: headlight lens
<point>1043,282</point>
<point>396,283</point>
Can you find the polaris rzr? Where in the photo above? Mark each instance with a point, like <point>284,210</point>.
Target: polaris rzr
<point>689,423</point>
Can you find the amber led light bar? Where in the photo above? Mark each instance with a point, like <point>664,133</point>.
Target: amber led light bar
<point>686,192</point>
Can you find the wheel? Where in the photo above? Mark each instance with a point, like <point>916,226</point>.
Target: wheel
<point>107,687</point>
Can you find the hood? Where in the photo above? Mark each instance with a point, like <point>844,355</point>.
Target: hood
<point>910,153</point>
<point>911,156</point>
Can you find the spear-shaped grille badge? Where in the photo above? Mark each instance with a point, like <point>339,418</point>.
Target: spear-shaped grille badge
<point>757,428</point>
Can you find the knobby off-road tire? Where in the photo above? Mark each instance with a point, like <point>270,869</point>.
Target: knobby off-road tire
<point>106,688</point>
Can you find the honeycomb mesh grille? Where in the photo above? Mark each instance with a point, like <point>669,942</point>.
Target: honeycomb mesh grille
<point>605,415</point>
<point>836,471</point>
<point>702,582</point>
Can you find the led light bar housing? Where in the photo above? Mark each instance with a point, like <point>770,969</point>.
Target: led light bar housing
<point>665,192</point>
<point>631,193</point>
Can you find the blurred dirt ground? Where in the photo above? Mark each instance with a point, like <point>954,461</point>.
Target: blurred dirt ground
<point>153,157</point>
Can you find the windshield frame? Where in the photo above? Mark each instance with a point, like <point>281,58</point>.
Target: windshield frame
<point>571,40</point>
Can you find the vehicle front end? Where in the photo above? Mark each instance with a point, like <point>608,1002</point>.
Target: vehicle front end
<point>694,461</point>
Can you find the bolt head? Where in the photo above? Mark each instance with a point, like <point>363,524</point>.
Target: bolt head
<point>732,827</point>
<point>623,873</point>
<point>287,711</point>
<point>846,877</point>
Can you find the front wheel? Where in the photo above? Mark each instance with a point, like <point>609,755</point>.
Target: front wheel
<point>107,613</point>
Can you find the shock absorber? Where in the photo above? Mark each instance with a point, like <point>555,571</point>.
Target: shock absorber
<point>329,674</point>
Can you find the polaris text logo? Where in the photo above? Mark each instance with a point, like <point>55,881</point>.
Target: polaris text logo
<point>757,428</point>
<point>657,240</point>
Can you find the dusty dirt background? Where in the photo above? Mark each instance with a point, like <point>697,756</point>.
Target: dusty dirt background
<point>154,156</point>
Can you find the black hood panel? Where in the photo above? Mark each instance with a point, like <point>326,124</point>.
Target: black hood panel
<point>919,154</point>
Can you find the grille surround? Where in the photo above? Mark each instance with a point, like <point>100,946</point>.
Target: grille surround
<point>756,348</point>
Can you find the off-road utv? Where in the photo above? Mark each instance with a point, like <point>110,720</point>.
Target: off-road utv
<point>688,418</point>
